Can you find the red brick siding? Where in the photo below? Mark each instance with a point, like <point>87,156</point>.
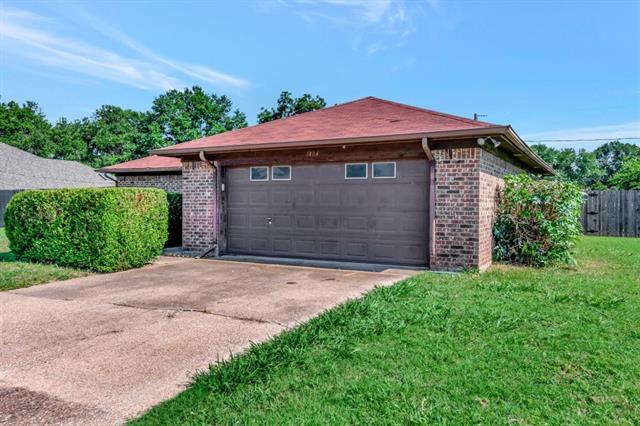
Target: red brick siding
<point>199,205</point>
<point>492,171</point>
<point>465,195</point>
<point>466,184</point>
<point>170,183</point>
<point>456,210</point>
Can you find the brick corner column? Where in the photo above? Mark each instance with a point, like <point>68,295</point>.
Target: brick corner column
<point>457,194</point>
<point>199,205</point>
<point>492,171</point>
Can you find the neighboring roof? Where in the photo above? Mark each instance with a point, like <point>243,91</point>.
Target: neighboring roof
<point>152,163</point>
<point>364,120</point>
<point>22,170</point>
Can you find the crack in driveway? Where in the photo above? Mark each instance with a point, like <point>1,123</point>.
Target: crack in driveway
<point>202,311</point>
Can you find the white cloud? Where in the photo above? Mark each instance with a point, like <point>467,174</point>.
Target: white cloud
<point>35,37</point>
<point>434,4</point>
<point>373,48</point>
<point>196,71</point>
<point>366,11</point>
<point>48,49</point>
<point>380,22</point>
<point>25,15</point>
<point>388,13</point>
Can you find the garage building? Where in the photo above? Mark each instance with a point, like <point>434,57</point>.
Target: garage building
<point>368,181</point>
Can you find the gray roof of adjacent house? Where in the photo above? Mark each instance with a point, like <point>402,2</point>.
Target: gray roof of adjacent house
<point>22,170</point>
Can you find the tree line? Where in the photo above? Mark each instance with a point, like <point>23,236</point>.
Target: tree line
<point>113,134</point>
<point>612,165</point>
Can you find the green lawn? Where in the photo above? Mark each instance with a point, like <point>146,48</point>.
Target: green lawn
<point>514,345</point>
<point>14,274</point>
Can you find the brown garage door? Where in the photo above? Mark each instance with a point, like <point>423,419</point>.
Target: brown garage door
<point>319,214</point>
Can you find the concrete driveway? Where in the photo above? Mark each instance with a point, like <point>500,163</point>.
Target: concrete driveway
<point>104,348</point>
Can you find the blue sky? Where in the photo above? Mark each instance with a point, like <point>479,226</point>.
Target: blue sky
<point>553,70</point>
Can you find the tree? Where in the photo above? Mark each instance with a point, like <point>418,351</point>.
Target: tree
<point>288,106</point>
<point>25,127</point>
<point>611,155</point>
<point>114,135</point>
<point>547,153</point>
<point>585,170</point>
<point>580,166</point>
<point>111,135</point>
<point>67,141</point>
<point>191,114</point>
<point>628,176</point>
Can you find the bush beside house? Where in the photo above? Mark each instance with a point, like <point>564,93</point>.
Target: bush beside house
<point>538,221</point>
<point>101,230</point>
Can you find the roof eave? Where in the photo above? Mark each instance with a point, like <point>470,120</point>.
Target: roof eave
<point>506,131</point>
<point>140,170</point>
<point>180,152</point>
<point>526,150</point>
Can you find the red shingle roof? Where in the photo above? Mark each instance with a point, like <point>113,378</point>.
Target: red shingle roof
<point>367,117</point>
<point>153,163</point>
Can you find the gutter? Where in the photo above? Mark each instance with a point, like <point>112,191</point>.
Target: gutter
<point>526,150</point>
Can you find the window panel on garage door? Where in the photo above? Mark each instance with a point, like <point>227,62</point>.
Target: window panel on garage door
<point>319,214</point>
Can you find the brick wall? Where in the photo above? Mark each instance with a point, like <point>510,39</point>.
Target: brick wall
<point>456,215</point>
<point>168,182</point>
<point>199,205</point>
<point>466,183</point>
<point>492,171</point>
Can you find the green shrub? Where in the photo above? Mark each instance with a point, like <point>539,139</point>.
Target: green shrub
<point>538,221</point>
<point>106,229</point>
<point>175,219</point>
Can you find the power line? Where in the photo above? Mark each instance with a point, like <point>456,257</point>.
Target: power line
<point>583,140</point>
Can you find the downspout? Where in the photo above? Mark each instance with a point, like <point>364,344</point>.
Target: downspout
<point>214,164</point>
<point>426,149</point>
<point>107,176</point>
<point>431,164</point>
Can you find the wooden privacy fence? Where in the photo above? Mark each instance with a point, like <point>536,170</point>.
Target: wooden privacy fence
<point>611,212</point>
<point>5,196</point>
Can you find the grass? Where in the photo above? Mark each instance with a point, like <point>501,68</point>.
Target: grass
<point>15,274</point>
<point>514,345</point>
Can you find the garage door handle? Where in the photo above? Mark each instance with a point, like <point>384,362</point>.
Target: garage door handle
<point>269,220</point>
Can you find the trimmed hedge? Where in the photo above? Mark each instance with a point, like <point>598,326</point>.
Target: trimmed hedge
<point>104,230</point>
<point>538,221</point>
<point>175,219</point>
